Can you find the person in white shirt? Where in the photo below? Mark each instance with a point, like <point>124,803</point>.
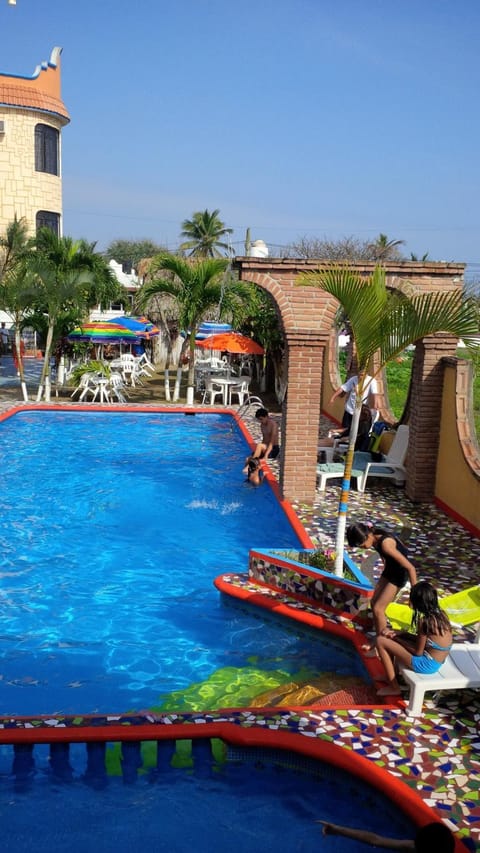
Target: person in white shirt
<point>349,390</point>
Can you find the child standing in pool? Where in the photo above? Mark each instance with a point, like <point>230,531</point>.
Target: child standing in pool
<point>433,641</point>
<point>397,570</point>
<point>254,472</point>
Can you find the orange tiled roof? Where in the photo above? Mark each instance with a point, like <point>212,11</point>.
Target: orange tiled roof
<point>17,95</point>
<point>40,92</point>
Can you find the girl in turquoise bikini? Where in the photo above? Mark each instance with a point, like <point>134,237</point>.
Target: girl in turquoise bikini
<point>433,641</point>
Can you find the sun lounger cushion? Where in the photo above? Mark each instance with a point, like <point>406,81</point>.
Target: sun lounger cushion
<point>334,470</point>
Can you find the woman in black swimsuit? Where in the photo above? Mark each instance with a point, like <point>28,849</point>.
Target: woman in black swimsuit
<point>397,569</point>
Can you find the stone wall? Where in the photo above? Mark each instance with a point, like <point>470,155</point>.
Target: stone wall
<point>25,191</point>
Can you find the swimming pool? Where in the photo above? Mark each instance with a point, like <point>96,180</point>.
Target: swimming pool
<point>49,811</point>
<point>216,797</point>
<point>113,527</point>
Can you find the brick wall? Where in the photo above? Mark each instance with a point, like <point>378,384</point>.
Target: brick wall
<point>307,316</point>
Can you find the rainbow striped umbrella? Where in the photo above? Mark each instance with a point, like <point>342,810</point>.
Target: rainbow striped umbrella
<point>102,333</point>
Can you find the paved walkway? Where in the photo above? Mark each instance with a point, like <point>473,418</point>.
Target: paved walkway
<point>438,754</point>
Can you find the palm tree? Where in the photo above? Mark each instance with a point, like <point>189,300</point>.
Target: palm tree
<point>17,293</point>
<point>384,324</point>
<point>14,245</point>
<point>70,277</point>
<point>383,249</point>
<point>204,233</point>
<point>197,286</point>
<point>16,284</point>
<point>257,318</point>
<point>414,257</point>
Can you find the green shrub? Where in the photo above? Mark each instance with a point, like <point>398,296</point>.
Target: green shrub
<point>89,367</point>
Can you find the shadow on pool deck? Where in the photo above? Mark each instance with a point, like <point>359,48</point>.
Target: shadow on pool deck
<point>437,754</point>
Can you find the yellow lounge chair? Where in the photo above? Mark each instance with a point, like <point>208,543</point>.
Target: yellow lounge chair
<point>462,608</point>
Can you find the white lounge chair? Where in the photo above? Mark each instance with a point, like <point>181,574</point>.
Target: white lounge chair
<point>333,471</point>
<point>392,465</point>
<point>460,670</point>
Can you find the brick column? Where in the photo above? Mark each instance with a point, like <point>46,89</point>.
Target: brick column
<point>301,418</point>
<point>425,413</point>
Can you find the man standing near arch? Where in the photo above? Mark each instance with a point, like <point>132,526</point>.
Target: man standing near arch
<point>349,390</point>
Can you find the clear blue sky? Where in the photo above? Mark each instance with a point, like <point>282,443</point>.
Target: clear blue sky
<point>323,118</point>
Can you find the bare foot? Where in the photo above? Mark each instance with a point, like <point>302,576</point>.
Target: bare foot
<point>390,690</point>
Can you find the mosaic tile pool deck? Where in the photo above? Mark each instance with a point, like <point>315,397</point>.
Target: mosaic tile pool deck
<point>437,754</point>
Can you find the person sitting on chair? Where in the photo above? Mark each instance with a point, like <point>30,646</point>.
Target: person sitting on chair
<point>363,435</point>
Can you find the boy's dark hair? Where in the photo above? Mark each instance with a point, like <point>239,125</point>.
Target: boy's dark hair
<point>261,413</point>
<point>434,836</point>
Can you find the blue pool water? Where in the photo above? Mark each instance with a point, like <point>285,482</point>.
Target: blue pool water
<point>257,800</point>
<point>112,529</point>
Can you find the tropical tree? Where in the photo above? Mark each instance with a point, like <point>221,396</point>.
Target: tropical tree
<point>258,318</point>
<point>16,284</point>
<point>17,293</point>
<point>130,252</point>
<point>383,249</point>
<point>414,257</point>
<point>70,278</point>
<point>345,249</point>
<point>204,234</point>
<point>384,324</point>
<point>14,244</point>
<point>197,286</point>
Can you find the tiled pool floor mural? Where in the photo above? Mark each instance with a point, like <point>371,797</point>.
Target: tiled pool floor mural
<point>437,754</point>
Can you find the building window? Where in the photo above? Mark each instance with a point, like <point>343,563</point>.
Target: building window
<point>46,149</point>
<point>47,219</point>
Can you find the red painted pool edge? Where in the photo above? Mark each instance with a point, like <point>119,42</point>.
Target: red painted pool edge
<point>247,736</point>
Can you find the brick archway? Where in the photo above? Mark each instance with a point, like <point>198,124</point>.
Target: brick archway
<point>307,317</point>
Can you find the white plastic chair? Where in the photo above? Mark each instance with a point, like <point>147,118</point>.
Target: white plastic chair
<point>87,385</point>
<point>146,365</point>
<point>213,390</point>
<point>100,384</point>
<point>117,387</point>
<point>240,390</point>
<point>392,465</point>
<point>81,385</point>
<point>461,670</point>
